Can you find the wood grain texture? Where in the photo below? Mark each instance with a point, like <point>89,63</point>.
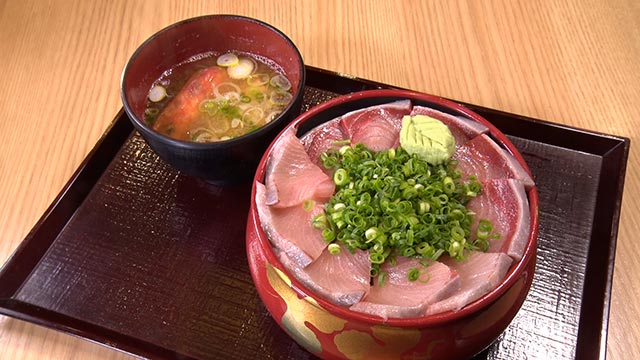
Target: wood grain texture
<point>573,62</point>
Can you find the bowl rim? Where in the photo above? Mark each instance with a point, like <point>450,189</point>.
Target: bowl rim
<point>513,274</point>
<point>144,128</point>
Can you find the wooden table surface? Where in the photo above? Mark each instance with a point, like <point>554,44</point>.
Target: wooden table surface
<point>575,62</point>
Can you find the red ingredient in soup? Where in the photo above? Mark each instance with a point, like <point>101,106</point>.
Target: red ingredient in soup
<point>181,112</point>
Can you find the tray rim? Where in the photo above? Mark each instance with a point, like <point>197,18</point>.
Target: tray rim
<point>613,149</point>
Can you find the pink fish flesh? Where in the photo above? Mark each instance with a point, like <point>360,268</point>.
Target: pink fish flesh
<point>377,127</point>
<point>290,230</point>
<point>483,157</point>
<point>342,278</point>
<point>322,138</point>
<point>462,129</point>
<point>399,297</point>
<point>292,177</point>
<point>504,203</point>
<point>479,274</point>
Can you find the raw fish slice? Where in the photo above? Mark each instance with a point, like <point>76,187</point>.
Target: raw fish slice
<point>377,136</point>
<point>377,127</point>
<point>387,311</point>
<point>292,177</point>
<point>462,129</point>
<point>178,115</point>
<point>504,203</point>
<point>479,274</point>
<point>294,267</point>
<point>342,279</point>
<point>481,156</point>
<point>322,138</point>
<point>290,229</point>
<point>399,297</point>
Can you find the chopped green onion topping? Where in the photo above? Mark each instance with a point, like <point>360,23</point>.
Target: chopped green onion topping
<point>392,203</point>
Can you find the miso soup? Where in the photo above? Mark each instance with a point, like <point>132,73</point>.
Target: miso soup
<point>217,97</point>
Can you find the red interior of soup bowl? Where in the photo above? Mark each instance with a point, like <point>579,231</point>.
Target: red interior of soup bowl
<point>520,274</point>
<point>181,41</point>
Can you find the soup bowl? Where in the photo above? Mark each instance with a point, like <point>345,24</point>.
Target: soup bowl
<point>335,332</point>
<point>221,162</point>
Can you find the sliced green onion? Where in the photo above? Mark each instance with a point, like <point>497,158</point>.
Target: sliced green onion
<point>413,274</point>
<point>455,249</point>
<point>227,90</point>
<point>308,205</point>
<point>408,252</point>
<point>457,233</point>
<point>237,123</point>
<point>253,116</point>
<point>152,112</point>
<point>226,60</point>
<point>382,278</point>
<point>448,185</point>
<point>334,249</point>
<point>256,94</point>
<point>371,233</point>
<point>341,177</point>
<point>242,69</point>
<point>484,229</point>
<point>209,106</point>
<point>341,142</point>
<point>319,221</point>
<point>394,204</point>
<point>424,276</point>
<point>328,235</point>
<point>280,98</point>
<point>423,207</point>
<point>157,93</point>
<point>281,82</point>
<point>376,258</point>
<point>258,79</point>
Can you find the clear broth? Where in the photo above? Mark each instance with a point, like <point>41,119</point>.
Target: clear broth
<point>204,103</point>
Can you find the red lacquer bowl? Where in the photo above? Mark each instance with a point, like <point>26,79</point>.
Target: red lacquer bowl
<point>334,332</point>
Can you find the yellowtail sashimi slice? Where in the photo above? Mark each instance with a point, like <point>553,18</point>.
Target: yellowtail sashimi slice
<point>341,278</point>
<point>377,127</point>
<point>292,178</point>
<point>319,140</point>
<point>479,274</point>
<point>399,297</point>
<point>504,203</point>
<point>483,157</point>
<point>290,230</point>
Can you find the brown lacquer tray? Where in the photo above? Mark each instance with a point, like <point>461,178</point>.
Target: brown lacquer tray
<point>138,257</point>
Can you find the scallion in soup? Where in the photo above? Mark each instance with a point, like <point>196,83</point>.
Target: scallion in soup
<point>217,97</point>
